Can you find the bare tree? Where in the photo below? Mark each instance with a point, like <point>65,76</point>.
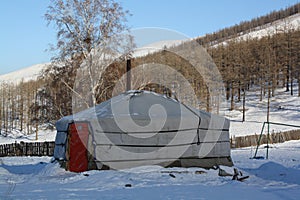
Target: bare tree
<point>90,34</point>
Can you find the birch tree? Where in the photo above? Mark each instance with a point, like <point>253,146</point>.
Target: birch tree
<point>89,33</point>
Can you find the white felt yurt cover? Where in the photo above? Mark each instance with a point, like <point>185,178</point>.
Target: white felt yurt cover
<point>144,128</point>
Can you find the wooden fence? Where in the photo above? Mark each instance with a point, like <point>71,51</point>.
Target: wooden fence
<point>27,149</point>
<point>251,140</point>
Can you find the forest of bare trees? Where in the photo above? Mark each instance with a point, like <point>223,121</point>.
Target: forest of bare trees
<point>260,64</point>
<point>263,64</point>
<point>18,107</point>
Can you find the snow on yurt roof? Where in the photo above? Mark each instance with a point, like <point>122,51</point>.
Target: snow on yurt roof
<point>142,106</point>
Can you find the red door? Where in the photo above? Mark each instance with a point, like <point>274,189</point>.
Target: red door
<point>78,140</point>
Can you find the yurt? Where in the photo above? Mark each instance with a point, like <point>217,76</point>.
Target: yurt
<point>140,128</point>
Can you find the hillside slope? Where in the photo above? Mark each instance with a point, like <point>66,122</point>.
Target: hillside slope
<point>279,26</point>
<point>26,74</point>
<point>289,23</point>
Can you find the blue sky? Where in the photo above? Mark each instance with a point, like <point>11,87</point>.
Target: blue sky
<point>24,36</point>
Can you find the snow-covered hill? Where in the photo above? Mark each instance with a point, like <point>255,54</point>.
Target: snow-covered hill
<point>279,26</point>
<point>32,72</point>
<point>156,47</point>
<point>292,22</point>
<point>26,74</point>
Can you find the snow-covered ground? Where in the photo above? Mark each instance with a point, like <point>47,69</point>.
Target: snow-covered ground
<point>18,136</point>
<point>38,178</point>
<point>284,108</point>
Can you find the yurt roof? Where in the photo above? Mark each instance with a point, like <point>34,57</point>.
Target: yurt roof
<point>139,105</point>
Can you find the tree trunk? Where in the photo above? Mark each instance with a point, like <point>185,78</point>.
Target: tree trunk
<point>292,88</point>
<point>274,85</point>
<point>299,85</point>
<point>287,79</point>
<point>261,91</point>
<point>227,90</point>
<point>232,97</point>
<point>239,92</point>
<point>207,100</point>
<point>244,105</point>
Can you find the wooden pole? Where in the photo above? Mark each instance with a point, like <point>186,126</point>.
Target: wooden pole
<point>36,131</point>
<point>268,119</point>
<point>244,104</point>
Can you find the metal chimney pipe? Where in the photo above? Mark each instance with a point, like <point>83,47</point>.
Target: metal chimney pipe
<point>128,75</point>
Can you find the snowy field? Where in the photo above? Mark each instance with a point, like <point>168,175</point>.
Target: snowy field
<point>38,178</point>
<point>18,136</point>
<point>284,108</point>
